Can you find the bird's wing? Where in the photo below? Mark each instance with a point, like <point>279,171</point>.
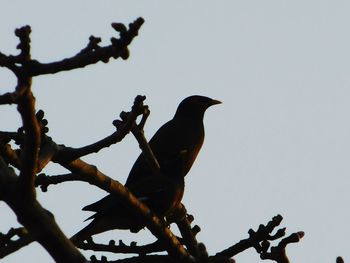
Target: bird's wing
<point>147,188</point>
<point>100,204</point>
<point>167,144</point>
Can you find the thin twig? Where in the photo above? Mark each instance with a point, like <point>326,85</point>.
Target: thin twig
<point>156,246</point>
<point>8,245</point>
<point>68,154</point>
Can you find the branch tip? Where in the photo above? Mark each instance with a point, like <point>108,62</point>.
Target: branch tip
<point>119,27</point>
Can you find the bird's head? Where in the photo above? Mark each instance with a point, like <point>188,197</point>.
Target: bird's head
<point>195,106</point>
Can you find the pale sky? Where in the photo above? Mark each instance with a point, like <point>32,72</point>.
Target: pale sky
<point>279,143</point>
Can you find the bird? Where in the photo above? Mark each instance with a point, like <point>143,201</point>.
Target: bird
<point>185,131</point>
<point>175,145</point>
<point>161,193</point>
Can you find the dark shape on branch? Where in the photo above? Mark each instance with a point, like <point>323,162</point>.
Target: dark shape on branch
<point>184,132</point>
<point>175,145</point>
<point>162,193</point>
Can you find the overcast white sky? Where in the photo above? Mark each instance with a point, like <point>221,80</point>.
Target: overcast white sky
<point>280,142</point>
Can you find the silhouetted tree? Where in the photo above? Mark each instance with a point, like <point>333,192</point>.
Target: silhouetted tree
<point>25,153</point>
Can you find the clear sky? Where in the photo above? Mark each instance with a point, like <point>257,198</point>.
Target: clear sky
<point>280,142</point>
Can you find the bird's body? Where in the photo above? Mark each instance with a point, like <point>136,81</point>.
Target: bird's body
<point>175,145</point>
<point>173,137</point>
<point>162,194</point>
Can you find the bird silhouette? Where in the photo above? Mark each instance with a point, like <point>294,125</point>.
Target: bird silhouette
<point>175,145</point>
<point>184,132</point>
<point>161,192</point>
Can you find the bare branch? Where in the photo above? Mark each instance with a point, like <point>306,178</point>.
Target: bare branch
<point>8,136</point>
<point>68,154</point>
<point>146,149</point>
<point>24,43</point>
<point>38,221</point>
<point>47,152</point>
<point>8,62</point>
<point>278,253</point>
<point>137,130</point>
<point>183,221</point>
<point>8,245</point>
<point>145,259</point>
<point>89,55</point>
<point>9,155</point>
<point>156,246</point>
<point>9,98</point>
<point>29,158</point>
<point>41,224</point>
<point>44,180</point>
<point>257,239</point>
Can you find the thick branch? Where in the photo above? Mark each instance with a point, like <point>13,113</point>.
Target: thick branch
<point>38,221</point>
<point>26,107</point>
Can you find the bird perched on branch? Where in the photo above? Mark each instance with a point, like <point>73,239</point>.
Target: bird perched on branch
<point>161,192</point>
<point>175,145</point>
<point>184,132</point>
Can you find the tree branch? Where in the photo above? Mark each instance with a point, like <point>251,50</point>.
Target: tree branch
<point>44,180</point>
<point>87,56</point>
<point>183,221</point>
<point>137,131</point>
<point>68,154</point>
<point>260,241</point>
<point>26,107</point>
<point>8,246</point>
<point>278,253</point>
<point>145,259</point>
<point>9,155</point>
<point>156,246</point>
<point>38,221</point>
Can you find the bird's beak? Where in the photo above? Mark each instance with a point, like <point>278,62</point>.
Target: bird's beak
<point>213,102</point>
